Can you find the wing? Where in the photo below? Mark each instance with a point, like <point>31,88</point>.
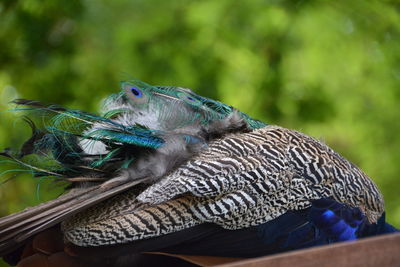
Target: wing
<point>240,181</point>
<point>266,162</point>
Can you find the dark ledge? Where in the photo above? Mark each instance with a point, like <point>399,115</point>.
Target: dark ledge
<point>378,251</point>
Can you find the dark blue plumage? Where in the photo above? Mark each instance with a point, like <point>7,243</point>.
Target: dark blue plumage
<point>338,221</point>
<point>326,221</point>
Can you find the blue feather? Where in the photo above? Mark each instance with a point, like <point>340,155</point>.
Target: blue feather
<point>339,221</point>
<point>134,138</point>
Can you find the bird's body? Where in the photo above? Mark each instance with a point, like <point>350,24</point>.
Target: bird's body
<point>240,181</point>
<point>217,181</point>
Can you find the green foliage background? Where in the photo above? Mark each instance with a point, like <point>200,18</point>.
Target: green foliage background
<point>328,68</point>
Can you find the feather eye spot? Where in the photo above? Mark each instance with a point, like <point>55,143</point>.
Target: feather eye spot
<point>189,99</point>
<point>136,92</point>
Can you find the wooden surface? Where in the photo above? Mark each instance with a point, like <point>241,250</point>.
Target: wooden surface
<point>205,261</point>
<point>381,251</point>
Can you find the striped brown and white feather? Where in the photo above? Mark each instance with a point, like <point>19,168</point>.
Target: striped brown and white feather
<point>241,180</point>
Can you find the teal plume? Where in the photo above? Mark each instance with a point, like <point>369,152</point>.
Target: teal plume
<point>139,119</point>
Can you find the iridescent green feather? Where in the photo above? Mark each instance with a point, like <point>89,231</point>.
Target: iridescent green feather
<point>123,128</point>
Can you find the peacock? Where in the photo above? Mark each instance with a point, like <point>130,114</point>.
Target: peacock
<point>164,169</point>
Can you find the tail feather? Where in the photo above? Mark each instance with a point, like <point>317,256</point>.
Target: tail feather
<point>17,228</point>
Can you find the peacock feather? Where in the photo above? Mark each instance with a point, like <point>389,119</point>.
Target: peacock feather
<point>139,119</point>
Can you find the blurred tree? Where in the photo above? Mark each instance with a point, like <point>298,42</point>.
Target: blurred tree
<point>328,68</point>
